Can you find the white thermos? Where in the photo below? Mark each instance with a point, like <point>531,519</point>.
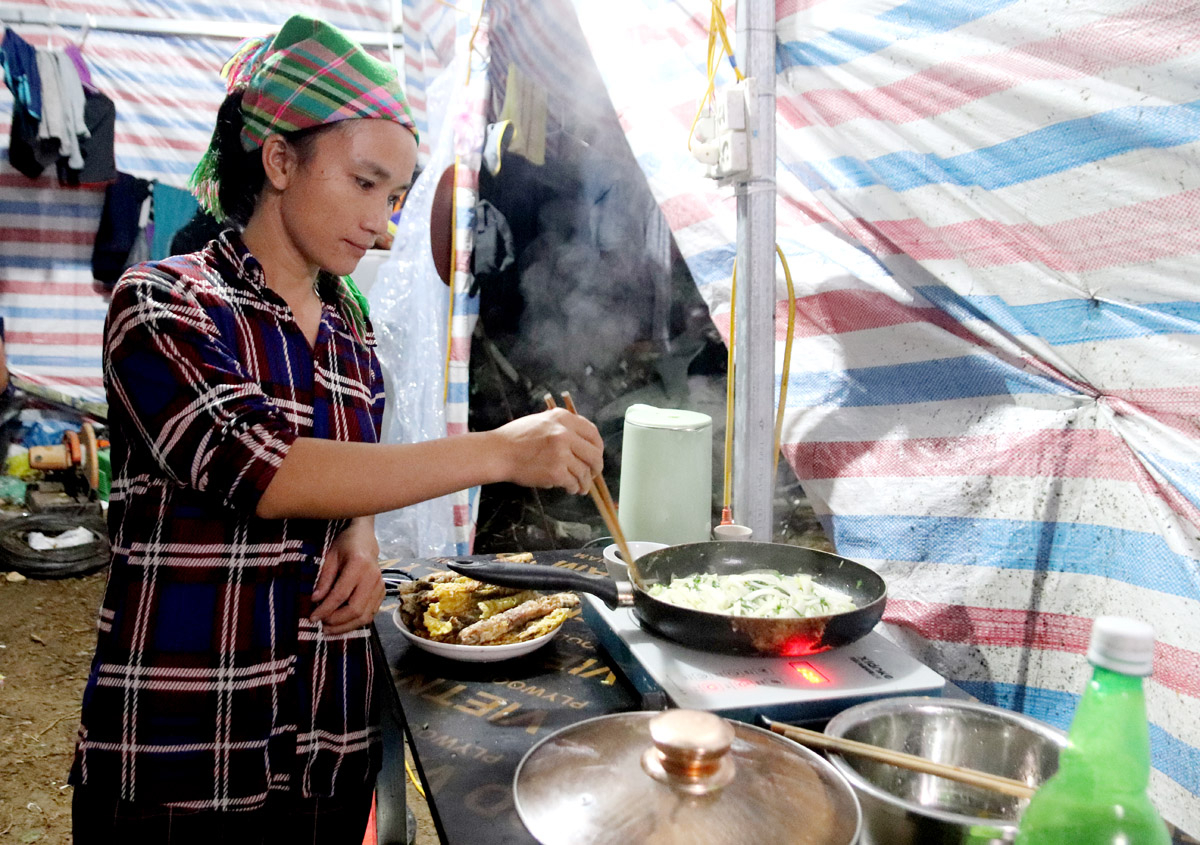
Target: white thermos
<point>666,475</point>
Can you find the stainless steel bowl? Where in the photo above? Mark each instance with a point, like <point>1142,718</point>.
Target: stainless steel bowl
<point>901,806</point>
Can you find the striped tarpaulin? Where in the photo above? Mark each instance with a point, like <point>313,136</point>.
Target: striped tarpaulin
<point>166,90</point>
<point>431,34</point>
<point>441,42</point>
<point>53,315</point>
<point>990,213</point>
<point>468,127</point>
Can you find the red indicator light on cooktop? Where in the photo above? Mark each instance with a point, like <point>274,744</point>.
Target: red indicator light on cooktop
<point>809,673</point>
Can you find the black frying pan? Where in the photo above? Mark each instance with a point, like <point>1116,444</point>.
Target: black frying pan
<point>716,631</point>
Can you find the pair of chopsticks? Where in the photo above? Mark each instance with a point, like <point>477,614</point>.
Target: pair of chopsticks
<point>974,777</point>
<point>600,495</point>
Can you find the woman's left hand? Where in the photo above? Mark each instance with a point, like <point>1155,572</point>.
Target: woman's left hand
<point>350,587</point>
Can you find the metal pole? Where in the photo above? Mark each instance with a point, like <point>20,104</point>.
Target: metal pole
<point>754,352</point>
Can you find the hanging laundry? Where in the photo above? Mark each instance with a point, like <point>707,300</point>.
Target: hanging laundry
<point>21,72</point>
<point>73,104</point>
<point>496,139</point>
<point>27,153</point>
<point>53,124</point>
<point>85,73</point>
<point>120,225</point>
<point>494,251</point>
<point>58,114</point>
<point>99,160</point>
<point>174,208</point>
<point>62,104</point>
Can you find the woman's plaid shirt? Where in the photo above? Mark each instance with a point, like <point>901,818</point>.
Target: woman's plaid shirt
<point>210,686</point>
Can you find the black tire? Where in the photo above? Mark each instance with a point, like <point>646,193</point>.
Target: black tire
<point>16,555</point>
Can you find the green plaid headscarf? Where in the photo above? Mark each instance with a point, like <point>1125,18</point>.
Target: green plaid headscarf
<point>308,75</point>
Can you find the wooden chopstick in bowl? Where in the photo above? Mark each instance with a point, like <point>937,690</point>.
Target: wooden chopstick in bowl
<point>974,777</point>
<point>601,496</point>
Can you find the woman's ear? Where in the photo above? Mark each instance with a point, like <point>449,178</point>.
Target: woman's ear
<point>279,161</point>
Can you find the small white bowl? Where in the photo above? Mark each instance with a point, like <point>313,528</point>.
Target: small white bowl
<point>732,533</point>
<point>637,548</point>
<point>473,653</point>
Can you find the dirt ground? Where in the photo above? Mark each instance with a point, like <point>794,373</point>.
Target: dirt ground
<point>47,634</point>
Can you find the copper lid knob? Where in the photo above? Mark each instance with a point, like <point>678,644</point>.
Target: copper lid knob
<point>690,751</point>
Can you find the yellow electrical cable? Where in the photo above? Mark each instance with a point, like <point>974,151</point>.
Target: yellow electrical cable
<point>412,776</point>
<point>783,380</point>
<point>726,513</point>
<point>716,26</point>
<point>787,354</point>
<point>718,19</point>
<point>707,94</point>
<point>699,111</point>
<point>471,41</point>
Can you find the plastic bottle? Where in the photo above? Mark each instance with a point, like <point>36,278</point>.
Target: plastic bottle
<point>1099,795</point>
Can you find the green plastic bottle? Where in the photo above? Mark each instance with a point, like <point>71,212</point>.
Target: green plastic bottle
<point>1098,796</point>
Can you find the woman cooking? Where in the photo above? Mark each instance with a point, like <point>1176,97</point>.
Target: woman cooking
<point>232,692</point>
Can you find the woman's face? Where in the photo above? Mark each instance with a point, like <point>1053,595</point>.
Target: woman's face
<point>344,190</point>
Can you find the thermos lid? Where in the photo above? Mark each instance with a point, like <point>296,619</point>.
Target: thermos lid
<point>648,416</point>
<point>1122,645</point>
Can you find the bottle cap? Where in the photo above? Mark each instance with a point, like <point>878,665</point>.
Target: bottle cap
<point>1122,645</point>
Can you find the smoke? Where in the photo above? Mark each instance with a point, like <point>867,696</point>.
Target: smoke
<point>588,282</point>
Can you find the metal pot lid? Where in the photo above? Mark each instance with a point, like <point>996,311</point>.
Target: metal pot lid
<point>680,777</point>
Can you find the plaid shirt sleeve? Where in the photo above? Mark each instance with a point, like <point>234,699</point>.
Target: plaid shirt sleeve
<point>204,421</point>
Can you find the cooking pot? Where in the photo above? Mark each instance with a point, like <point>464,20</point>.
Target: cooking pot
<point>680,777</point>
<point>719,632</point>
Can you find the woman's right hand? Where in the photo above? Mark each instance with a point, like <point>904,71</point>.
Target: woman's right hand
<point>551,449</point>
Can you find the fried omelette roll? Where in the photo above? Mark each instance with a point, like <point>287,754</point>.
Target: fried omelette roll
<point>488,630</point>
<point>536,628</point>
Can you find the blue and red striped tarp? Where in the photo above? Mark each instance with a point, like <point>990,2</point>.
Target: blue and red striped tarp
<point>990,212</point>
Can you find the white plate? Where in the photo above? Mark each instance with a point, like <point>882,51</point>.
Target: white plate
<point>473,653</point>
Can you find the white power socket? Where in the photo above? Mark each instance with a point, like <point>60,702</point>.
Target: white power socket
<point>732,158</point>
<point>729,109</point>
<point>730,122</point>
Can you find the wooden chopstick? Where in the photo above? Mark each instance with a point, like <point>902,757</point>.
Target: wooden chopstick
<point>974,777</point>
<point>601,484</point>
<point>602,498</point>
<point>614,525</point>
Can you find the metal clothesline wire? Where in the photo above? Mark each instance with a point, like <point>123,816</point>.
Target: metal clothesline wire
<point>12,15</point>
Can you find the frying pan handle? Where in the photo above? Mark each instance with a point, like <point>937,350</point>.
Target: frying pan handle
<point>529,576</point>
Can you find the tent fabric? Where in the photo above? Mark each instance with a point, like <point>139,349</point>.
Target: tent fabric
<point>52,311</point>
<point>166,90</point>
<point>468,142</point>
<point>434,35</point>
<point>989,210</point>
